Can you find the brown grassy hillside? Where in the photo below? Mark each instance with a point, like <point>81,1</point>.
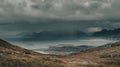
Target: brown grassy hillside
<point>99,57</point>
<point>14,56</point>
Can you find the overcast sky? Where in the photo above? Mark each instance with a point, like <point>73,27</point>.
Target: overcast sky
<point>26,16</point>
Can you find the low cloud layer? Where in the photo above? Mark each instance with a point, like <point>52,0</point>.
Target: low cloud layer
<point>13,30</point>
<point>19,17</point>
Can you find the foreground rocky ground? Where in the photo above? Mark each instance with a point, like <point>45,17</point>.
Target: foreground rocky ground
<point>103,56</point>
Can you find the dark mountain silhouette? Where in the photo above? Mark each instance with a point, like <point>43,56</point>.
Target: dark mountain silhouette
<point>108,33</point>
<point>54,35</point>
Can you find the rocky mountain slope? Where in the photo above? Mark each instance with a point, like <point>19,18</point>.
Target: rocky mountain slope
<point>103,56</point>
<point>14,56</point>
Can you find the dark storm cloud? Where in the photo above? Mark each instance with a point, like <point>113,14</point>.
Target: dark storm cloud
<point>26,16</point>
<point>61,9</point>
<point>58,25</point>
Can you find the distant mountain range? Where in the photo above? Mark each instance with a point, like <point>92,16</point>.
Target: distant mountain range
<point>66,35</point>
<point>53,35</point>
<point>108,33</point>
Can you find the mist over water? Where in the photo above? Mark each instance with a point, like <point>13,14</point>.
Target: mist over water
<point>47,44</point>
